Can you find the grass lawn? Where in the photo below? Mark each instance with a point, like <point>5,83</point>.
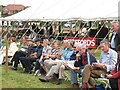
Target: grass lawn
<point>18,79</point>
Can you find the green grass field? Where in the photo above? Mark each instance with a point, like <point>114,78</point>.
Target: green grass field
<point>18,79</point>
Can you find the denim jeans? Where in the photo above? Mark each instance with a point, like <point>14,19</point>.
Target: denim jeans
<point>74,75</point>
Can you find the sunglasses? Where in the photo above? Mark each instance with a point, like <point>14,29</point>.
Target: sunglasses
<point>74,47</point>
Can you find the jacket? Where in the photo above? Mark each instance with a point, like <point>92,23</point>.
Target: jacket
<point>116,72</point>
<point>116,39</point>
<point>38,50</point>
<point>87,57</point>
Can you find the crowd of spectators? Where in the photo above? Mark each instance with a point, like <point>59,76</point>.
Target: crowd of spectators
<point>52,59</point>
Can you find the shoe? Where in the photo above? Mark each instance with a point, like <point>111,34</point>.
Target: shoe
<point>14,68</point>
<point>76,85</point>
<point>59,81</point>
<point>27,71</point>
<point>43,80</point>
<point>24,70</point>
<point>37,72</point>
<point>84,85</point>
<point>55,76</point>
<point>72,86</point>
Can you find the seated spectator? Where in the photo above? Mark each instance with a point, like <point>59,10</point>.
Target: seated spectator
<point>73,56</point>
<point>82,58</point>
<point>22,48</point>
<point>40,62</point>
<point>28,60</point>
<point>114,77</point>
<point>0,45</point>
<point>24,45</point>
<point>1,52</point>
<point>23,52</point>
<point>54,54</point>
<point>13,47</point>
<point>106,64</point>
<point>59,65</point>
<point>11,50</point>
<point>64,44</point>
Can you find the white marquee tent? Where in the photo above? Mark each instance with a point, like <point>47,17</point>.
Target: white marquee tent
<point>68,9</point>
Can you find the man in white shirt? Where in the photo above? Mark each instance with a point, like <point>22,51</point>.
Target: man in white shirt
<point>106,64</point>
<point>115,38</point>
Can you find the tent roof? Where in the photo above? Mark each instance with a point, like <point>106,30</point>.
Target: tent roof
<point>58,10</point>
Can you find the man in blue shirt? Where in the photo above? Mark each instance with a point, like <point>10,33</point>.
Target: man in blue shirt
<point>59,66</point>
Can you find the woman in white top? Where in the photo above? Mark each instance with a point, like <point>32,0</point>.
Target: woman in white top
<point>13,47</point>
<point>11,50</point>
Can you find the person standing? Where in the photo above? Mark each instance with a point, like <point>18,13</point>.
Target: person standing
<point>115,38</point>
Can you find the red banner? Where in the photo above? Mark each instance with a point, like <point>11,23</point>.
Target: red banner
<point>90,42</point>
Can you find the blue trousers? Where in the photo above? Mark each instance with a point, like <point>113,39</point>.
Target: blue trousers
<point>74,75</point>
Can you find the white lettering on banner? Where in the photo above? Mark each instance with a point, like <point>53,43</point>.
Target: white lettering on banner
<point>90,42</point>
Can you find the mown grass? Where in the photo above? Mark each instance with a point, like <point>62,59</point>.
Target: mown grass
<point>18,79</point>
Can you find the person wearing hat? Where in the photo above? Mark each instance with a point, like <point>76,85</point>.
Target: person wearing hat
<point>28,48</point>
<point>32,57</point>
<point>114,77</point>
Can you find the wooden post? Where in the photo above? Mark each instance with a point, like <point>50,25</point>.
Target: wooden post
<point>6,64</point>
